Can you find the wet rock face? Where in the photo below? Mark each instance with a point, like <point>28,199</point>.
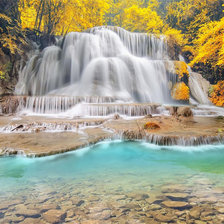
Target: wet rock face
<point>199,88</point>
<point>8,104</point>
<point>181,111</point>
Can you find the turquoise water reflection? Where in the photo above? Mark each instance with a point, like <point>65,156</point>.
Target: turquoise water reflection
<point>113,159</point>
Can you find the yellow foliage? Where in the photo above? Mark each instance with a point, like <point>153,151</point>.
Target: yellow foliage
<point>210,44</point>
<point>10,35</point>
<point>217,96</point>
<point>62,16</point>
<point>141,19</point>
<point>175,36</point>
<point>28,13</point>
<point>181,69</point>
<point>5,17</point>
<point>180,91</point>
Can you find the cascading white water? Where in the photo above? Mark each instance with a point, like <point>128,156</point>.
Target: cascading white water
<point>105,61</point>
<point>101,65</point>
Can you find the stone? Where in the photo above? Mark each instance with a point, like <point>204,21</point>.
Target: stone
<point>131,206</point>
<point>200,222</point>
<point>183,111</point>
<point>176,204</point>
<point>220,217</point>
<point>28,213</point>
<point>203,84</point>
<point>33,221</point>
<point>14,218</point>
<point>116,116</point>
<point>165,218</point>
<point>220,209</point>
<point>154,207</point>
<point>148,116</point>
<point>104,215</point>
<point>180,213</point>
<point>176,196</point>
<point>195,213</point>
<point>206,218</point>
<point>70,214</point>
<point>208,213</point>
<point>54,216</point>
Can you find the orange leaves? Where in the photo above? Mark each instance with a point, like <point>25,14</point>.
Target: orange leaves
<point>217,95</point>
<point>180,91</point>
<point>151,126</point>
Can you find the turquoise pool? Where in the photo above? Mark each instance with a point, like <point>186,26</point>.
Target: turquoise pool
<point>111,175</point>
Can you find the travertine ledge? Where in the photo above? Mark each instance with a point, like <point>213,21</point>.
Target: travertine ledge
<point>41,136</point>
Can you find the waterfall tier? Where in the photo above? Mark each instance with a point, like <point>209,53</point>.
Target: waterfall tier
<point>103,61</point>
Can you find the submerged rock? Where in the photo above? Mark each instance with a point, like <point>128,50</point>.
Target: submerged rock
<point>54,216</point>
<point>165,218</point>
<point>195,213</point>
<point>176,204</point>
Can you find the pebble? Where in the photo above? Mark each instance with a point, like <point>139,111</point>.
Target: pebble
<point>165,218</point>
<point>54,216</point>
<point>195,212</point>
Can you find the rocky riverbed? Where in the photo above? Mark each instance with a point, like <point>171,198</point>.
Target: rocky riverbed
<point>195,201</point>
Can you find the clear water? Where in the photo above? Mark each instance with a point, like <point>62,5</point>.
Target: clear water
<point>109,169</point>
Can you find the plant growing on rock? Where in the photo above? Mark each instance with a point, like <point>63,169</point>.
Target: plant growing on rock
<point>181,69</point>
<point>217,95</point>
<point>180,91</point>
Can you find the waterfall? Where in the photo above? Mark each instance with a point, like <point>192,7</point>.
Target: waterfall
<point>103,61</point>
<point>103,65</point>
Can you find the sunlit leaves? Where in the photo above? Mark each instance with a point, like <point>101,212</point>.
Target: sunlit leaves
<point>217,95</point>
<point>180,91</point>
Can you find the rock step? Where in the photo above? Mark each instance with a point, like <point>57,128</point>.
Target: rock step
<point>77,106</point>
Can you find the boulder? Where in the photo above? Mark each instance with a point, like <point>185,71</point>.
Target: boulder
<point>183,111</point>
<point>195,213</point>
<point>199,88</point>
